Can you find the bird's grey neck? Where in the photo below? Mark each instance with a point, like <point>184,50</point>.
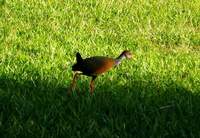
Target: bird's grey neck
<point>119,59</point>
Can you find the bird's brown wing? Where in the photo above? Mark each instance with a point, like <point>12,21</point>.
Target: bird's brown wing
<point>97,65</point>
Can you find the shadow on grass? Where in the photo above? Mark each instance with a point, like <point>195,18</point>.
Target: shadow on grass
<point>139,109</point>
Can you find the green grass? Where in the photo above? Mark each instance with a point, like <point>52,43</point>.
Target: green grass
<point>157,94</point>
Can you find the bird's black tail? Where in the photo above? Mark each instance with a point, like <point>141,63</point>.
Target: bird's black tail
<point>79,59</point>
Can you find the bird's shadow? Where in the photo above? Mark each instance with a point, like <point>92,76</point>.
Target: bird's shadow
<point>139,105</point>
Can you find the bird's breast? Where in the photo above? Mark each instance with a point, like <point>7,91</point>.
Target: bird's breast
<point>106,66</point>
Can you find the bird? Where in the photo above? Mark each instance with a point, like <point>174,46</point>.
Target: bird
<point>95,66</point>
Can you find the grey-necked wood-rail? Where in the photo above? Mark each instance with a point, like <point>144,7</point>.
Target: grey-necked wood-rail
<point>94,66</point>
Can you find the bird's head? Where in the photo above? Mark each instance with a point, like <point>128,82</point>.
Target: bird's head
<point>127,54</point>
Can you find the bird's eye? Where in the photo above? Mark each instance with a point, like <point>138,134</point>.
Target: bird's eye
<point>129,55</point>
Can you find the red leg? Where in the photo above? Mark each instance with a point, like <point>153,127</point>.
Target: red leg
<point>73,84</point>
<point>92,85</point>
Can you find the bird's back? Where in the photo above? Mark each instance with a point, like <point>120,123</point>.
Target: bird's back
<point>97,65</point>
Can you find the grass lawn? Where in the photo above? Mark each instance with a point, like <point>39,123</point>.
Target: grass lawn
<point>156,94</point>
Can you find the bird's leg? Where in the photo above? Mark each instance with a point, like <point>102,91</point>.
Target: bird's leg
<point>73,84</point>
<point>92,85</point>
